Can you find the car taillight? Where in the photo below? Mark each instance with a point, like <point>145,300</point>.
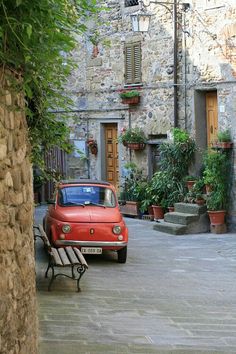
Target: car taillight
<point>116,230</point>
<point>66,228</point>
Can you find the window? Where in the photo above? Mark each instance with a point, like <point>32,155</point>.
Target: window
<point>133,63</point>
<point>131,3</point>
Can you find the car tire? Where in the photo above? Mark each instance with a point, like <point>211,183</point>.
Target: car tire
<point>122,255</point>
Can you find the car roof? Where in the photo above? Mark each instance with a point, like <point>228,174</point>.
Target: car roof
<point>84,181</point>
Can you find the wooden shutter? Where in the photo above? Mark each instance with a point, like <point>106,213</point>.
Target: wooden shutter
<point>133,63</point>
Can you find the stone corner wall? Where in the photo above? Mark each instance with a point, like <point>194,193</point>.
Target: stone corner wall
<point>18,317</point>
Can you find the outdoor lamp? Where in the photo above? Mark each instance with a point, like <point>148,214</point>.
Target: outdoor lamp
<point>140,21</point>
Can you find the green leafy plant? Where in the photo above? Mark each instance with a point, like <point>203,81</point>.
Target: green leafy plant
<point>196,192</point>
<point>129,93</point>
<point>36,39</point>
<point>190,178</point>
<point>216,173</point>
<point>224,136</point>
<point>168,185</point>
<point>132,135</point>
<point>135,184</point>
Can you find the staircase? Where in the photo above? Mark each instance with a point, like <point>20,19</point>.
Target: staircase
<point>186,219</point>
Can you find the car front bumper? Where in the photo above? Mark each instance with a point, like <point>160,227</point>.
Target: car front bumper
<point>90,243</point>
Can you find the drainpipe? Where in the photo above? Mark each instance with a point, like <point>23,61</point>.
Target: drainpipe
<point>175,65</point>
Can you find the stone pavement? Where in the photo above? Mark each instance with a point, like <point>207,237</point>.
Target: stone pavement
<point>175,294</point>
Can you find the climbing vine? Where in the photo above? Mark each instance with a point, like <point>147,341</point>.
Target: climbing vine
<point>36,42</point>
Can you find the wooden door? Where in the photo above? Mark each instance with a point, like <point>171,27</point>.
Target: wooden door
<point>111,148</point>
<point>212,117</point>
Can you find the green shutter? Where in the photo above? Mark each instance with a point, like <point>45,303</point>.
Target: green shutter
<point>133,63</point>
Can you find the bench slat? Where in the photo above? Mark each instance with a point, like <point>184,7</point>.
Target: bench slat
<point>72,256</point>
<point>44,237</point>
<point>65,260</point>
<point>80,256</point>
<point>56,257</point>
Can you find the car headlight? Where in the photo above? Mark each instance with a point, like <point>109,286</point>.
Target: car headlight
<point>66,228</point>
<point>116,230</point>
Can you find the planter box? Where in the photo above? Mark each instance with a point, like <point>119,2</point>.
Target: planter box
<point>136,146</point>
<point>131,100</point>
<point>130,208</point>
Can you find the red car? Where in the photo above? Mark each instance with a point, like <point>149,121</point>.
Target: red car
<point>86,215</point>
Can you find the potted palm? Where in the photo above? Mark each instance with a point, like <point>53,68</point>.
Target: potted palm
<point>133,138</point>
<point>131,97</point>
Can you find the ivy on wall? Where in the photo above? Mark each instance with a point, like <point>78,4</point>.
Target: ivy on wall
<point>36,41</point>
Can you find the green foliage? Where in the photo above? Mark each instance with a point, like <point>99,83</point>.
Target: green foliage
<point>196,192</point>
<point>134,135</point>
<point>216,174</point>
<point>129,93</point>
<point>224,136</point>
<point>135,184</point>
<point>177,156</point>
<point>180,136</point>
<point>168,185</point>
<point>36,40</point>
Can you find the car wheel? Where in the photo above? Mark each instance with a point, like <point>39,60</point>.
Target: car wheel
<point>122,255</point>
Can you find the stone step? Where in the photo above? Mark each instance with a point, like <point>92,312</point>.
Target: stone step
<point>190,208</point>
<point>200,225</point>
<point>180,218</point>
<point>170,228</point>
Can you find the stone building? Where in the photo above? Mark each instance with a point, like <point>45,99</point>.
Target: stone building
<point>186,74</point>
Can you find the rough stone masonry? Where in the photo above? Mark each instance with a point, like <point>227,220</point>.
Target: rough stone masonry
<point>18,319</point>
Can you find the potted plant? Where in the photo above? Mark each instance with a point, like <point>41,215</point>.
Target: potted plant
<point>224,139</point>
<point>93,146</point>
<point>217,171</point>
<point>133,189</point>
<point>133,138</point>
<point>196,193</point>
<point>215,167</point>
<point>190,181</point>
<point>129,96</point>
<point>216,205</point>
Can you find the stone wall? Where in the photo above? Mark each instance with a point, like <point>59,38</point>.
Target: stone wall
<point>18,318</point>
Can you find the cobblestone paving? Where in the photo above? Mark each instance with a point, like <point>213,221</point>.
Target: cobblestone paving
<point>175,294</point>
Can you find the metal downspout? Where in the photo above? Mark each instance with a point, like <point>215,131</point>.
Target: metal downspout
<point>175,65</point>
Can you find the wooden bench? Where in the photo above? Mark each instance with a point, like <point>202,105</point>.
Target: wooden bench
<point>63,257</point>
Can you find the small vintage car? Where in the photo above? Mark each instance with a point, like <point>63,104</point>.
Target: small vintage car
<point>85,214</point>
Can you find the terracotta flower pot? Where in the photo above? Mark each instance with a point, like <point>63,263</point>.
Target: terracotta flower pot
<point>225,144</point>
<point>190,184</point>
<point>171,209</point>
<point>217,217</point>
<point>158,212</point>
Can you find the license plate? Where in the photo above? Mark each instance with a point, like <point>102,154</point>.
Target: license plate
<point>91,250</point>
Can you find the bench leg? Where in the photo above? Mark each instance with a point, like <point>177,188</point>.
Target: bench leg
<point>81,271</point>
<point>52,276</point>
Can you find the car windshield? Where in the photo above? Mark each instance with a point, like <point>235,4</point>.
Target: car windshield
<point>86,195</point>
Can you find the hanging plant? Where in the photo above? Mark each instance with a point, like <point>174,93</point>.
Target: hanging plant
<point>133,138</point>
<point>93,146</point>
<point>131,97</point>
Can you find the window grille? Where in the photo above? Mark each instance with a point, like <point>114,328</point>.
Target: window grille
<point>131,3</point>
